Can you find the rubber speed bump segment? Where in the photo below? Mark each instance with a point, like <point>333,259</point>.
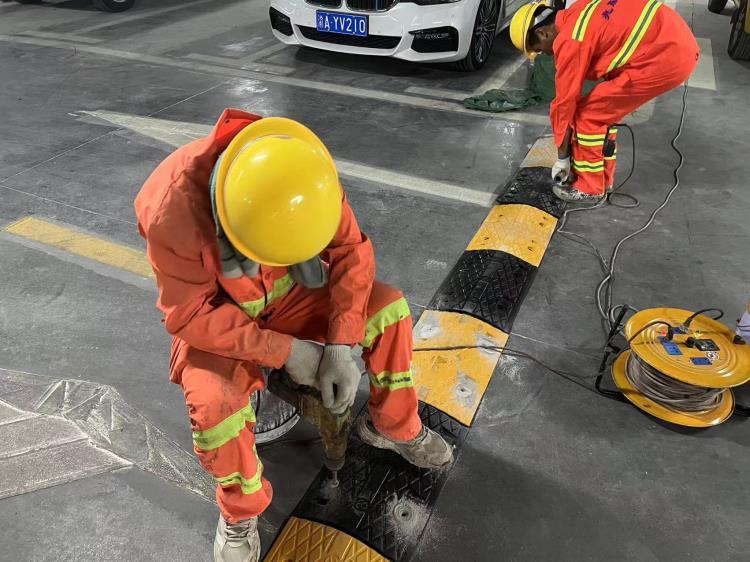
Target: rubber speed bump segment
<point>454,380</point>
<point>307,541</point>
<point>382,501</point>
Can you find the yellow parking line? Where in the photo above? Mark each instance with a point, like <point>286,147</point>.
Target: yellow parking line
<point>82,244</point>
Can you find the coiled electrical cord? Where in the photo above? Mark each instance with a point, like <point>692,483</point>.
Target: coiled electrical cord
<point>668,392</point>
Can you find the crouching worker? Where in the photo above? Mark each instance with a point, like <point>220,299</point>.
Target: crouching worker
<point>255,251</point>
<point>639,48</point>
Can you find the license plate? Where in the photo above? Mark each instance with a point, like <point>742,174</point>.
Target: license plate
<point>344,24</point>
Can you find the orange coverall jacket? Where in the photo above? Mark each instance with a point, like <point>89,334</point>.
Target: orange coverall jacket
<point>607,38</point>
<point>174,215</point>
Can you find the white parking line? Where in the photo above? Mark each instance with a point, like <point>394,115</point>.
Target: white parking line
<point>500,77</point>
<point>704,76</point>
<point>328,87</point>
<point>176,133</point>
<point>242,63</point>
<point>265,52</point>
<point>62,36</point>
<point>496,80</point>
<point>139,15</point>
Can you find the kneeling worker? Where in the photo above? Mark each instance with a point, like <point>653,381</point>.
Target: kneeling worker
<point>256,250</point>
<point>639,48</point>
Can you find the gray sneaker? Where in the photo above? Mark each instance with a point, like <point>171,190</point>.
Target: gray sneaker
<point>572,195</point>
<point>237,542</point>
<point>426,450</point>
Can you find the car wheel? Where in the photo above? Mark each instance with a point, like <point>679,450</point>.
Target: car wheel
<point>483,36</point>
<point>114,5</point>
<point>29,1</point>
<point>716,6</point>
<point>739,39</point>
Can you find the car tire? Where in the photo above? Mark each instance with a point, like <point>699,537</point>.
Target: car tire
<point>114,5</point>
<point>29,1</point>
<point>482,36</point>
<point>716,6</point>
<point>739,39</point>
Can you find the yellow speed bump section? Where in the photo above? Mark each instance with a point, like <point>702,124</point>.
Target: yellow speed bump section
<point>82,244</point>
<point>520,230</point>
<point>543,153</point>
<point>454,380</point>
<point>304,541</point>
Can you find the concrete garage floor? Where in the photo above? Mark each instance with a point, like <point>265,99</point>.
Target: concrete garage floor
<point>550,471</point>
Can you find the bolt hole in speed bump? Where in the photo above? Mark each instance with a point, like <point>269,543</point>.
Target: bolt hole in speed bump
<point>680,366</point>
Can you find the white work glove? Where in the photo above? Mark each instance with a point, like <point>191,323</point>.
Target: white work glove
<point>561,170</point>
<point>339,377</point>
<point>303,361</point>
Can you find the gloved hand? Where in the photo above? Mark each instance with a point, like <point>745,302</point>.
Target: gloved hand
<point>302,364</point>
<point>339,377</point>
<point>561,170</point>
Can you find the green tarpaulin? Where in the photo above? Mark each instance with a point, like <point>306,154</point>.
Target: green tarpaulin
<point>541,89</point>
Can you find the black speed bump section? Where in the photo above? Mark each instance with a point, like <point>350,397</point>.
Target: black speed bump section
<point>382,500</point>
<point>487,284</point>
<point>533,187</point>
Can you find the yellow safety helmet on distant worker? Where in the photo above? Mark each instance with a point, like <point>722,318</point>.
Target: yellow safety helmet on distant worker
<point>278,196</point>
<point>522,22</point>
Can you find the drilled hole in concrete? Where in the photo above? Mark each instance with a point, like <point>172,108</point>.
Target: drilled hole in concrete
<point>462,389</point>
<point>403,512</point>
<point>321,500</point>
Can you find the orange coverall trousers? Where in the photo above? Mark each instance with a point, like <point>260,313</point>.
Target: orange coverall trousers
<point>610,101</point>
<point>217,390</point>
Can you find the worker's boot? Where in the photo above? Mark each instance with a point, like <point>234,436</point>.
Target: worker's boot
<point>426,450</point>
<point>572,195</point>
<point>237,542</point>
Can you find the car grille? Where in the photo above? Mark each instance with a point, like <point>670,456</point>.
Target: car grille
<point>325,3</point>
<point>370,5</point>
<point>370,42</point>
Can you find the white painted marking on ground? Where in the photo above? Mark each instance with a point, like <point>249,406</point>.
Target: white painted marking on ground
<point>500,77</point>
<point>178,133</point>
<point>338,89</point>
<point>62,36</point>
<point>139,15</point>
<point>704,76</point>
<point>438,93</point>
<point>242,63</point>
<point>265,52</point>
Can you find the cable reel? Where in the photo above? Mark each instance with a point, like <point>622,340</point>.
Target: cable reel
<point>680,366</point>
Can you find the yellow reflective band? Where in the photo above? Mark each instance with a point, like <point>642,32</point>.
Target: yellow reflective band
<point>387,316</point>
<point>588,142</point>
<point>613,157</point>
<point>581,136</point>
<point>579,29</point>
<point>584,166</point>
<point>248,486</point>
<point>636,35</point>
<point>280,288</point>
<point>226,430</point>
<point>392,381</point>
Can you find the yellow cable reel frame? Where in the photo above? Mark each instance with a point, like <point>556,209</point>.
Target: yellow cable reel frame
<point>727,367</point>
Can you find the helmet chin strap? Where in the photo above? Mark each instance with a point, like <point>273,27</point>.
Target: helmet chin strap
<point>312,274</point>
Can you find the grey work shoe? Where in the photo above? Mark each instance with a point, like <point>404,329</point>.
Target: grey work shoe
<point>572,195</point>
<point>426,450</point>
<point>237,542</point>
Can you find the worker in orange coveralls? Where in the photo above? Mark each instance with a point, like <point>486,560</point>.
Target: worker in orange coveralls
<point>259,260</point>
<point>638,48</point>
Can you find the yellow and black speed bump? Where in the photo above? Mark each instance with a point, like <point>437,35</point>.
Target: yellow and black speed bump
<point>382,505</point>
<point>382,500</point>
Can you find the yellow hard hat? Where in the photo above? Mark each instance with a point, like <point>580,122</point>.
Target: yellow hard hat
<point>278,196</point>
<point>522,21</point>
